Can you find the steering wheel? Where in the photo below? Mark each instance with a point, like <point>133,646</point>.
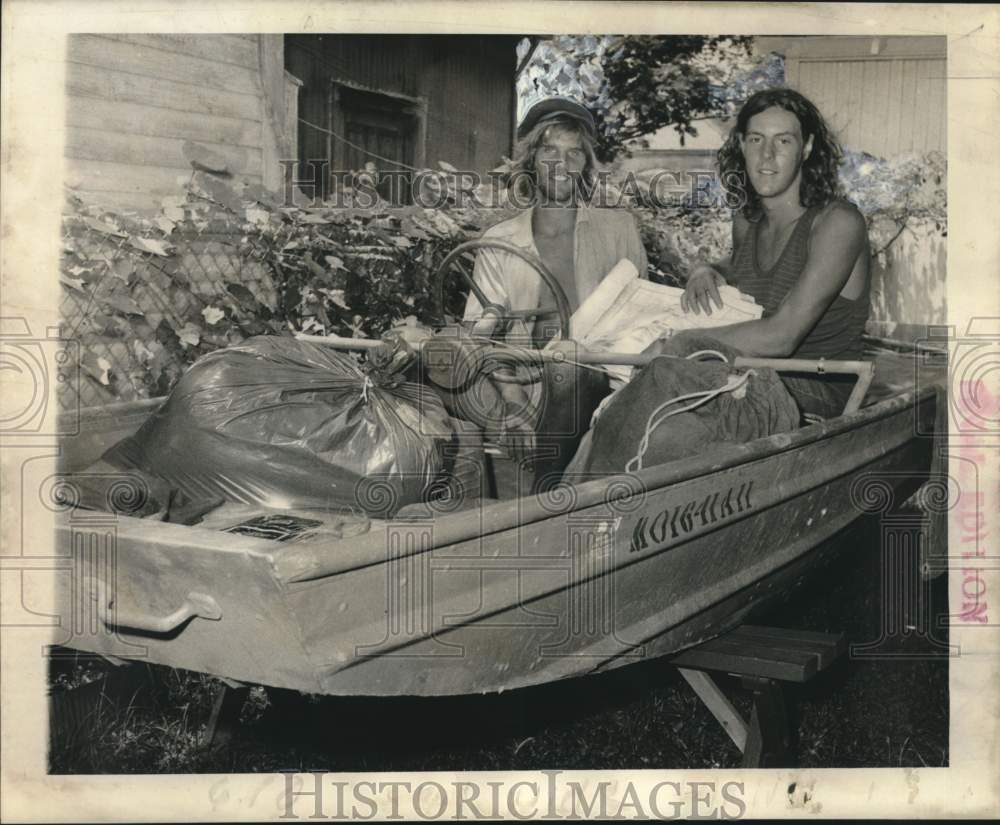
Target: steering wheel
<point>501,313</point>
<point>454,365</point>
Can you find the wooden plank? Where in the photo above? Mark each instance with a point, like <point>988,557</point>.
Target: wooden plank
<point>930,91</point>
<point>148,119</point>
<point>874,108</point>
<point>142,202</point>
<point>143,150</point>
<point>221,48</point>
<point>729,657</point>
<point>718,705</point>
<point>893,131</point>
<point>936,98</point>
<point>102,176</point>
<point>856,93</point>
<point>793,73</point>
<point>224,719</point>
<point>909,106</point>
<point>132,58</point>
<point>821,640</point>
<point>768,741</point>
<point>107,84</point>
<point>840,116</point>
<point>920,123</point>
<point>839,47</point>
<point>826,647</point>
<point>828,90</point>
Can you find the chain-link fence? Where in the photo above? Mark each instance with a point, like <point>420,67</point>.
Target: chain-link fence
<point>138,314</point>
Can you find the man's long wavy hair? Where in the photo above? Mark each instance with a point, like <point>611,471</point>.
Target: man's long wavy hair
<point>820,180</point>
<point>522,179</point>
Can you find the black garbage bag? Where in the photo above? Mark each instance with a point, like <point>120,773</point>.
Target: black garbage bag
<point>761,406</point>
<point>131,492</point>
<point>289,424</point>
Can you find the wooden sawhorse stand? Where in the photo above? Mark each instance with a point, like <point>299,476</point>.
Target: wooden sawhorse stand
<point>762,657</point>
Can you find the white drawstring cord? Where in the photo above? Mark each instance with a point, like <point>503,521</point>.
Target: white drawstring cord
<point>714,352</point>
<point>607,399</point>
<point>734,383</point>
<point>704,396</point>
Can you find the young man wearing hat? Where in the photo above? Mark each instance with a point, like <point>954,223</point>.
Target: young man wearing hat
<point>553,177</point>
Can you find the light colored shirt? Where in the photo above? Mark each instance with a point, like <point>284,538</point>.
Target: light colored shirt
<point>601,238</point>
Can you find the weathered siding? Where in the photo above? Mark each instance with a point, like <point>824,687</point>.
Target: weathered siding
<point>469,84</point>
<point>461,88</point>
<point>884,96</point>
<point>909,285</point>
<point>132,100</point>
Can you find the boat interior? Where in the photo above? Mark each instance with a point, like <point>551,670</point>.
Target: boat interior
<point>486,474</point>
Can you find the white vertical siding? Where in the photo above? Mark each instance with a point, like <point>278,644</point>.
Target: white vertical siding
<point>884,96</point>
<point>885,106</point>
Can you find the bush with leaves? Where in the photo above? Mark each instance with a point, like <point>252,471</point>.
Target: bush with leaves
<point>139,317</point>
<point>142,314</point>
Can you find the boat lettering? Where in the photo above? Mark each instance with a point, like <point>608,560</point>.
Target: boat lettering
<point>672,523</point>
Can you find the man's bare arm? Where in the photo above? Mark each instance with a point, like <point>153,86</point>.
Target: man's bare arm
<point>838,239</point>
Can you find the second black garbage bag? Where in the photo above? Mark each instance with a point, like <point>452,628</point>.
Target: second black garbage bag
<point>291,424</point>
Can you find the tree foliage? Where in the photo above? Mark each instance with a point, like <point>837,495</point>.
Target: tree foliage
<point>636,85</point>
<point>668,81</point>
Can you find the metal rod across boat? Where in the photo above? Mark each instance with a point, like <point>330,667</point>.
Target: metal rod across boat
<point>864,370</point>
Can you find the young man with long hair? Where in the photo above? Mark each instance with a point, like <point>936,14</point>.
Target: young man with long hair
<point>799,248</point>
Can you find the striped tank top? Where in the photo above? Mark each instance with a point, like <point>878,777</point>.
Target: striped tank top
<point>837,334</point>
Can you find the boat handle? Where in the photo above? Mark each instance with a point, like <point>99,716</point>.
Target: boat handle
<point>196,605</point>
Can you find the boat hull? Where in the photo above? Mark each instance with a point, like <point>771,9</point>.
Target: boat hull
<point>519,593</point>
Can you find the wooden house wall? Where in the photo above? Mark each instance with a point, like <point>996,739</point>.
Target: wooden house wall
<point>463,88</point>
<point>883,95</point>
<point>133,99</point>
<point>469,83</point>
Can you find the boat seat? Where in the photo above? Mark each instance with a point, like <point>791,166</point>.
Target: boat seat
<point>762,658</point>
